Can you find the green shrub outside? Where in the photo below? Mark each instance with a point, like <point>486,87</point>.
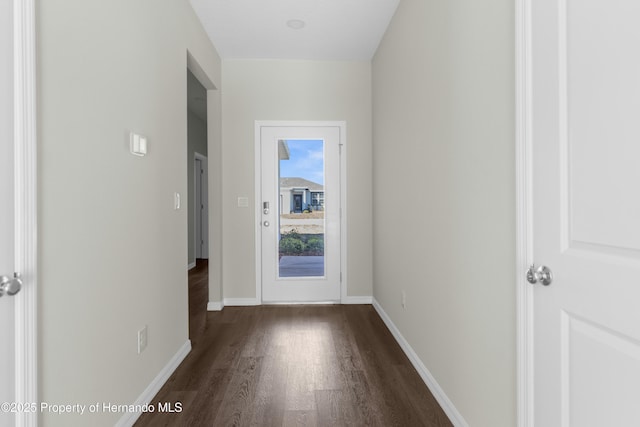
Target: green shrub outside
<point>291,246</point>
<point>315,244</point>
<point>294,243</point>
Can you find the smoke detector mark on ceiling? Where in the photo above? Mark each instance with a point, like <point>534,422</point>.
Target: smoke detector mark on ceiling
<point>296,24</point>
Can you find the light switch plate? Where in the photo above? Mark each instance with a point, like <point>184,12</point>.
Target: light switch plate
<point>142,339</point>
<point>137,144</point>
<point>243,202</point>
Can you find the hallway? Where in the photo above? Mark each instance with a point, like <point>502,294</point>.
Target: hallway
<point>431,136</point>
<point>303,365</point>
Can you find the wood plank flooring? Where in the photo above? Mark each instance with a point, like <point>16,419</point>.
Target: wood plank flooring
<point>304,365</point>
<point>198,299</point>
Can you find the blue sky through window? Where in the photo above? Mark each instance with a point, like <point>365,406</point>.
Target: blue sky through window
<point>306,160</point>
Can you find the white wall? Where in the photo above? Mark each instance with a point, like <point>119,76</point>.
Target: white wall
<point>293,90</point>
<point>6,195</point>
<point>214,162</point>
<point>443,114</point>
<point>113,251</point>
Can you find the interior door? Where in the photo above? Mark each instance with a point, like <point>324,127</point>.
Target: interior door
<point>7,320</point>
<point>300,241</point>
<point>201,207</point>
<point>586,202</point>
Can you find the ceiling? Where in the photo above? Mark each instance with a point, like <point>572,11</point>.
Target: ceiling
<point>332,29</point>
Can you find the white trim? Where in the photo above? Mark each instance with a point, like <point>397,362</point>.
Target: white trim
<point>215,306</point>
<point>344,271</point>
<point>204,234</point>
<point>524,216</point>
<point>357,300</point>
<point>447,406</point>
<point>342,125</point>
<point>26,217</point>
<point>129,418</point>
<point>257,167</point>
<point>300,302</point>
<point>191,266</point>
<point>241,302</point>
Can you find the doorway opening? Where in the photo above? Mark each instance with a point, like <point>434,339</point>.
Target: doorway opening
<point>198,205</point>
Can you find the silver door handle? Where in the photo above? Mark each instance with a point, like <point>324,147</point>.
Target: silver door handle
<point>541,274</point>
<point>265,206</point>
<point>10,285</point>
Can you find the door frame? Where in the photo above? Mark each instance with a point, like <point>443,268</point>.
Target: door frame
<point>26,219</point>
<point>203,197</point>
<point>525,376</point>
<point>342,125</point>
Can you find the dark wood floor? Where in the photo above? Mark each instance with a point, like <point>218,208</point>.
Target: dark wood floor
<point>304,365</point>
<point>198,299</point>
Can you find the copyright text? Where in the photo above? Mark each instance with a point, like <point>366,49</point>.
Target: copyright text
<point>81,409</point>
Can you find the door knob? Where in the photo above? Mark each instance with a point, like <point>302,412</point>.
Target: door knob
<point>541,274</point>
<point>10,285</point>
<point>266,223</point>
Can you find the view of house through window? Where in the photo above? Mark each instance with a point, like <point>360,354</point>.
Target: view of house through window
<point>302,224</point>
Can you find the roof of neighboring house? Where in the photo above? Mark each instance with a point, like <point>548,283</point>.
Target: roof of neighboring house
<point>283,150</point>
<point>300,183</point>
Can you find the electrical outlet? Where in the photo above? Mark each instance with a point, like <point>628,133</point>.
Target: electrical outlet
<point>142,339</point>
<point>404,299</point>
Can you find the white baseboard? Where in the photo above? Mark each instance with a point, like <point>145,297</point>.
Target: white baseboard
<point>129,418</point>
<point>192,265</point>
<point>215,306</point>
<point>454,416</point>
<point>241,302</point>
<point>357,300</point>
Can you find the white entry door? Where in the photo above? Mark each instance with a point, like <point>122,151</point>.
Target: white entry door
<point>7,320</point>
<point>586,211</point>
<point>299,212</point>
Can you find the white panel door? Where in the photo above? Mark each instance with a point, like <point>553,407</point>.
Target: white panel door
<point>586,184</point>
<point>7,322</point>
<point>299,213</point>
